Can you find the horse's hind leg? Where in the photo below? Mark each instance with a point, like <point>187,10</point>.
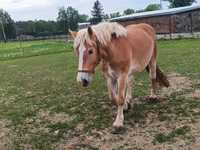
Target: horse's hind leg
<point>152,75</point>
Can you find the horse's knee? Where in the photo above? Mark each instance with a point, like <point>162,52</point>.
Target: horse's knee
<point>120,100</point>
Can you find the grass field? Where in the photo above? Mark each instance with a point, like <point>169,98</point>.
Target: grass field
<point>43,108</point>
<point>34,48</point>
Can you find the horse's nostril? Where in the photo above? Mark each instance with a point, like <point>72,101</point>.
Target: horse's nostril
<point>85,82</point>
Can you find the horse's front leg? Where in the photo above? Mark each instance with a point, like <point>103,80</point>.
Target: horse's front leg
<point>120,99</point>
<point>128,93</point>
<point>112,89</point>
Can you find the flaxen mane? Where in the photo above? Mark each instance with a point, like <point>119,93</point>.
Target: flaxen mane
<point>103,31</point>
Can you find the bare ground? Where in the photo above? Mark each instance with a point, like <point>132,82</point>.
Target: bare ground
<point>141,135</point>
<point>5,136</point>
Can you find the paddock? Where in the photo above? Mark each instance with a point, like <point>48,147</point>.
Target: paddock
<point>42,106</point>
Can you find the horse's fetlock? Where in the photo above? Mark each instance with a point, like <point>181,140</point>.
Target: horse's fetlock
<point>120,100</point>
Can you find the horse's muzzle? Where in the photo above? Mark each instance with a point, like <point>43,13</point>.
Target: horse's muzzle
<point>85,82</point>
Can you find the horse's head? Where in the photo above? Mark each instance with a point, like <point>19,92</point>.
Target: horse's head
<point>86,47</point>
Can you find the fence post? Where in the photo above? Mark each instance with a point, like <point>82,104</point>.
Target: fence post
<point>170,26</point>
<point>191,23</point>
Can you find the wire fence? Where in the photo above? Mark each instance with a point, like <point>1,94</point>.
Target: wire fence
<point>27,47</point>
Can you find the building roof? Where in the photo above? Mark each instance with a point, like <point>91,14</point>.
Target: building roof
<point>84,23</point>
<point>156,13</point>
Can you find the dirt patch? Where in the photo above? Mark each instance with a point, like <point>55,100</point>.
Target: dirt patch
<point>5,140</point>
<point>142,135</point>
<point>136,137</point>
<point>178,83</point>
<point>55,117</point>
<point>195,94</point>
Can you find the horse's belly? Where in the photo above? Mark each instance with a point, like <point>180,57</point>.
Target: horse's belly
<point>138,65</point>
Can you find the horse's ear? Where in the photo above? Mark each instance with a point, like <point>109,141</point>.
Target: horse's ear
<point>73,33</point>
<point>90,31</point>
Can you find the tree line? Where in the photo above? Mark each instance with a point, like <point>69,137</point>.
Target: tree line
<point>68,18</point>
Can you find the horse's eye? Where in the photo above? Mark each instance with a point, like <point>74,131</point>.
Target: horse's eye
<point>90,51</point>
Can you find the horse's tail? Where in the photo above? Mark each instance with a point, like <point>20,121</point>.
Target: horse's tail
<point>161,78</point>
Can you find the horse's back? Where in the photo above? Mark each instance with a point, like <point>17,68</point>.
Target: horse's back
<point>142,40</point>
<point>143,27</point>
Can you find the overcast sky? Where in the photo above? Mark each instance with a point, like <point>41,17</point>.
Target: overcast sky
<point>48,9</point>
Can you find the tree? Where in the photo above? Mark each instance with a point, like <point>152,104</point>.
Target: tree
<point>115,14</point>
<point>83,18</point>
<point>68,19</point>
<point>7,27</point>
<point>106,17</point>
<point>180,3</point>
<point>152,7</point>
<point>37,28</point>
<point>129,11</point>
<point>62,19</point>
<point>97,13</point>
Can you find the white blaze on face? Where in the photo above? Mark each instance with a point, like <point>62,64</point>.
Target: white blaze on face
<point>82,75</point>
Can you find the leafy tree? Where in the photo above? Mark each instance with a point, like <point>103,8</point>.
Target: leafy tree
<point>97,13</point>
<point>129,11</point>
<point>37,28</point>
<point>7,28</point>
<point>73,18</point>
<point>180,3</point>
<point>83,18</point>
<point>62,19</point>
<point>152,7</point>
<point>115,14</point>
<point>69,18</point>
<point>106,16</point>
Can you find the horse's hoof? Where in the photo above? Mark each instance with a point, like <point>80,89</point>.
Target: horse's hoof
<point>118,130</point>
<point>156,98</point>
<point>127,107</point>
<point>153,98</point>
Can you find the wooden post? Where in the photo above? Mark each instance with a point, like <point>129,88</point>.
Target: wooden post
<point>170,26</point>
<point>191,22</point>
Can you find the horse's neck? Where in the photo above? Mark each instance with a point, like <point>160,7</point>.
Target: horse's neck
<point>107,52</point>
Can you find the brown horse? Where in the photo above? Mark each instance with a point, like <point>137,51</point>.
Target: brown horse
<point>122,52</point>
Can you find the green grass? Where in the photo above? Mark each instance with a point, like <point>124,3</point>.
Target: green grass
<point>31,48</point>
<point>161,138</point>
<point>29,85</point>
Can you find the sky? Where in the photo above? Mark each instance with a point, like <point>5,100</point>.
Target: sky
<point>48,9</point>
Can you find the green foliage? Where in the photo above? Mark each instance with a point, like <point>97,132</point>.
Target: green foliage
<point>129,11</point>
<point>83,18</point>
<point>68,19</point>
<point>97,12</point>
<point>180,3</point>
<point>37,28</point>
<point>152,7</point>
<point>115,14</point>
<point>7,29</point>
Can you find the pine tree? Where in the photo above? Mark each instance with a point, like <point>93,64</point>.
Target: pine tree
<point>97,13</point>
